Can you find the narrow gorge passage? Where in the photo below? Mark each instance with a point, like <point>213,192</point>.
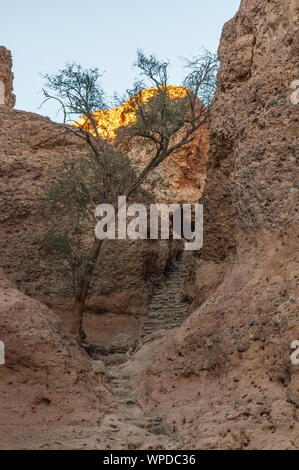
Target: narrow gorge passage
<point>168,309</point>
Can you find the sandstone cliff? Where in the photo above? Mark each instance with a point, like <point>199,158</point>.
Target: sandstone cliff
<point>184,172</point>
<point>225,379</point>
<point>53,396</point>
<point>7,97</point>
<point>31,151</point>
<point>51,392</point>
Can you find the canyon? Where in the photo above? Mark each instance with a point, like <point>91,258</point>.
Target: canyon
<point>188,351</point>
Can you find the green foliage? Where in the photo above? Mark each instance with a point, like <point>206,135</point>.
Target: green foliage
<point>77,90</point>
<point>68,208</point>
<point>160,118</point>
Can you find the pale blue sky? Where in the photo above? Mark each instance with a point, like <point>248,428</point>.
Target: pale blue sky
<point>43,35</point>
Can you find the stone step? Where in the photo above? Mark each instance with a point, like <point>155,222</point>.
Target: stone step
<point>167,309</point>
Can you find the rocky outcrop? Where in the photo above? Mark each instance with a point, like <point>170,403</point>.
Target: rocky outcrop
<point>46,379</point>
<point>252,184</point>
<point>182,174</point>
<point>7,98</point>
<point>52,394</point>
<point>32,148</point>
<point>225,379</point>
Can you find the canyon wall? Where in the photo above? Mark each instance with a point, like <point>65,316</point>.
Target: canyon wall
<point>183,174</point>
<point>7,98</point>
<point>225,379</point>
<point>52,394</point>
<point>32,149</point>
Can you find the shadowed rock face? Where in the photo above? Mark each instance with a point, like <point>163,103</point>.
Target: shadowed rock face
<point>46,379</point>
<point>31,149</point>
<point>183,172</point>
<point>225,379</point>
<point>253,125</point>
<point>7,98</point>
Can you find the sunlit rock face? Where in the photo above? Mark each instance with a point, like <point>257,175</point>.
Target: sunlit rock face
<point>183,171</point>
<point>182,175</point>
<point>7,98</point>
<point>108,121</point>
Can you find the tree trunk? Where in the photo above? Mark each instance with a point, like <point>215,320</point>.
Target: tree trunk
<point>77,320</point>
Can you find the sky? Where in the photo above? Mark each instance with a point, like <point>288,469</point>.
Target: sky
<point>44,35</point>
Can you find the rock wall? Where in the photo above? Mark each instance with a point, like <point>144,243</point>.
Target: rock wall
<point>225,379</point>
<point>52,395</point>
<point>168,307</point>
<point>46,379</point>
<point>7,98</point>
<point>31,148</point>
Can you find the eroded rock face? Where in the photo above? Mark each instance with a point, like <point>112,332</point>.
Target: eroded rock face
<point>225,378</point>
<point>52,394</point>
<point>184,172</point>
<point>46,379</point>
<point>7,98</point>
<point>31,148</point>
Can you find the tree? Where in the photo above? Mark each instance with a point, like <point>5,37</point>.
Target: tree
<point>158,120</point>
<point>68,209</point>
